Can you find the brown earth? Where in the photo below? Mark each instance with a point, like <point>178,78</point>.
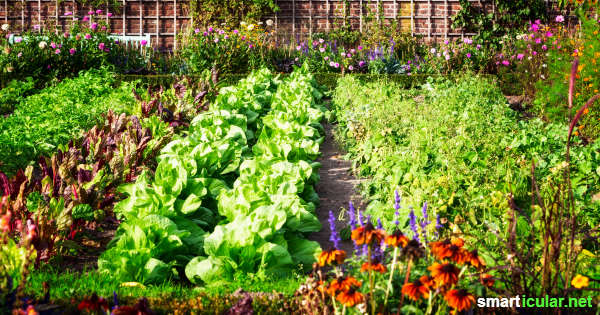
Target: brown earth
<point>336,188</point>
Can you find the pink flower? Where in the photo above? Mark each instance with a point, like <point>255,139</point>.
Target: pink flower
<point>57,51</point>
<point>144,42</point>
<point>235,32</point>
<point>53,45</point>
<point>210,29</point>
<point>350,67</point>
<point>205,33</point>
<point>19,55</point>
<point>361,63</point>
<point>94,26</point>
<point>349,55</point>
<point>91,12</point>
<point>98,11</point>
<point>197,31</point>
<point>321,40</point>
<point>538,22</point>
<point>326,58</point>
<point>216,40</point>
<point>468,55</point>
<point>68,13</point>
<point>332,64</point>
<point>560,19</point>
<point>534,53</point>
<point>544,47</point>
<point>337,65</point>
<point>86,18</point>
<point>88,36</point>
<point>109,14</point>
<point>298,47</point>
<point>506,62</point>
<point>101,46</point>
<point>103,28</point>
<point>352,51</point>
<point>226,37</point>
<point>534,27</point>
<point>478,46</point>
<point>72,51</point>
<point>520,56</point>
<point>18,39</point>
<point>446,42</point>
<point>447,57</point>
<point>66,35</point>
<point>321,49</point>
<point>549,34</point>
<point>360,48</point>
<point>538,40</point>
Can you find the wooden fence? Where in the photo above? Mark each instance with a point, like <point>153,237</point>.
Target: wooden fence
<point>162,20</point>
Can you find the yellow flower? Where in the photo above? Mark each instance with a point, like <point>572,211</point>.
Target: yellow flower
<point>580,281</point>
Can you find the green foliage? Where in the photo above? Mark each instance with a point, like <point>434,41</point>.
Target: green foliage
<point>13,93</point>
<point>54,116</point>
<point>509,18</point>
<point>452,144</point>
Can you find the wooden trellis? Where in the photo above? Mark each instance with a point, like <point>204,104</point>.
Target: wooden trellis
<point>162,20</point>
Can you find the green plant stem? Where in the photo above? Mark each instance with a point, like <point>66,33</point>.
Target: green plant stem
<point>371,284</point>
<point>389,284</point>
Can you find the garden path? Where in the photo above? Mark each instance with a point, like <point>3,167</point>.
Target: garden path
<point>336,188</point>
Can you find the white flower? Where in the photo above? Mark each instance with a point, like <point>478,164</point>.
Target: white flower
<point>260,23</point>
<point>5,27</point>
<point>433,50</point>
<point>42,44</point>
<point>543,77</point>
<point>544,66</point>
<point>269,22</point>
<point>250,27</point>
<point>243,23</point>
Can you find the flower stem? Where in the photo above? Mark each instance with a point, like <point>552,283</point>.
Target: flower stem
<point>371,284</point>
<point>389,284</point>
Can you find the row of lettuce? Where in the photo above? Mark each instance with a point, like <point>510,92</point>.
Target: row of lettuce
<point>234,194</point>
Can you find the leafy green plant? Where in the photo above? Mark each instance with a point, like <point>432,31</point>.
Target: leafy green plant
<point>13,93</point>
<point>51,118</point>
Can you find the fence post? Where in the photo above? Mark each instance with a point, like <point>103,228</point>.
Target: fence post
<point>310,21</point>
<point>157,23</point>
<point>360,18</point>
<point>412,18</point>
<point>174,24</point>
<point>124,18</point>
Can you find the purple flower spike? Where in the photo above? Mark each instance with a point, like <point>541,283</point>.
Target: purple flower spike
<point>397,200</point>
<point>361,218</point>
<point>424,211</point>
<point>438,225</point>
<point>334,238</point>
<point>413,224</point>
<point>352,215</point>
<point>379,225</point>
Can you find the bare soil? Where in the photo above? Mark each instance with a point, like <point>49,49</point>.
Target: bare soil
<point>336,188</point>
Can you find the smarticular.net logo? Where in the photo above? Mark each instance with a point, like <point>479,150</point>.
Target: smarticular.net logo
<point>522,301</point>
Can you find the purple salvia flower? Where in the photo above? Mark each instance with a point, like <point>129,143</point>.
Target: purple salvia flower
<point>352,215</point>
<point>438,225</point>
<point>115,300</point>
<point>360,218</point>
<point>334,238</point>
<point>397,200</point>
<point>424,211</point>
<point>379,225</point>
<point>413,224</point>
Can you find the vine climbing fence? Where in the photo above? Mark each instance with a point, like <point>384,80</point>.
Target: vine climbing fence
<point>163,20</point>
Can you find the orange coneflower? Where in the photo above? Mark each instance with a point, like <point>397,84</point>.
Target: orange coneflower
<point>396,239</point>
<point>487,280</point>
<point>453,252</point>
<point>350,297</point>
<point>329,257</point>
<point>375,266</point>
<point>342,284</point>
<point>444,274</point>
<point>367,234</point>
<point>438,247</point>
<point>459,299</point>
<point>413,250</point>
<point>474,260</point>
<point>416,290</point>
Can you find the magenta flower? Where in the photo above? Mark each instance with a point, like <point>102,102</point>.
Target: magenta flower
<point>94,26</point>
<point>360,48</point>
<point>446,42</point>
<point>98,11</point>
<point>90,12</point>
<point>210,29</point>
<point>57,51</point>
<point>361,63</point>
<point>103,28</point>
<point>534,53</point>
<point>101,46</point>
<point>86,18</point>
<point>544,47</point>
<point>332,64</point>
<point>534,28</point>
<point>298,47</point>
<point>216,40</point>
<point>520,56</point>
<point>549,34</point>
<point>478,47</point>
<point>72,51</point>
<point>560,19</point>
<point>66,35</point>
<point>468,55</point>
<point>337,65</point>
<point>205,33</point>
<point>197,31</point>
<point>68,13</point>
<point>88,36</point>
<point>350,68</point>
<point>53,45</point>
<point>235,32</point>
<point>506,62</point>
<point>144,42</point>
<point>538,40</point>
<point>109,14</point>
